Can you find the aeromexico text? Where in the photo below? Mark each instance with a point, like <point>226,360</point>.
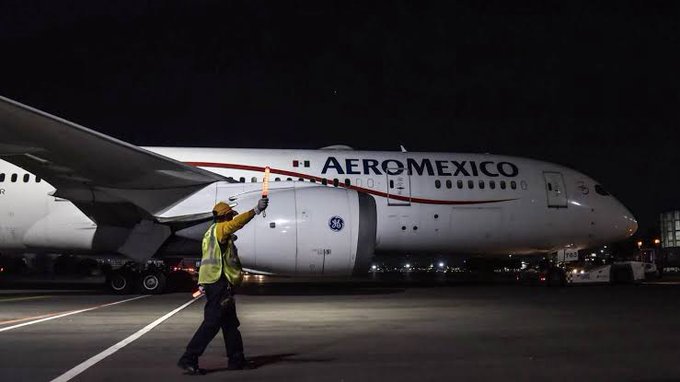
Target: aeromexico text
<point>424,166</point>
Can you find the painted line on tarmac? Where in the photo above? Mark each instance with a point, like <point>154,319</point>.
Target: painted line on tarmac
<point>23,298</point>
<point>95,359</point>
<point>53,316</point>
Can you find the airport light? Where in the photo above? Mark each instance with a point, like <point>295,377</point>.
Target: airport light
<point>657,241</point>
<point>374,267</point>
<point>639,243</point>
<point>441,265</point>
<point>408,265</point>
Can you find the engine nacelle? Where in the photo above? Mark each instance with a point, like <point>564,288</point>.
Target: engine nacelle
<point>306,231</point>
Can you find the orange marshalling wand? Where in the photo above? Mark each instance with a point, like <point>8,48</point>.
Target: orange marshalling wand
<point>265,183</point>
<point>265,187</point>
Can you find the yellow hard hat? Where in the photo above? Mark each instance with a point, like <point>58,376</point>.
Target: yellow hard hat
<point>222,209</point>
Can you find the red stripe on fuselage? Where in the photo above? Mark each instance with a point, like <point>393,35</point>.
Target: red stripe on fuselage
<point>360,189</point>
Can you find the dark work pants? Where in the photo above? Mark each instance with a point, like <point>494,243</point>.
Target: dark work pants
<point>217,317</point>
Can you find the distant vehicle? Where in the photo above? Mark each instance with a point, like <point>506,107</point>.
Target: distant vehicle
<point>68,189</point>
<point>625,272</point>
<point>589,275</point>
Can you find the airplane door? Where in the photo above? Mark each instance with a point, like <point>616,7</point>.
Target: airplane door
<point>554,186</point>
<point>398,187</point>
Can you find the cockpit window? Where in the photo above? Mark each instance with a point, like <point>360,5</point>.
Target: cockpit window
<point>600,190</point>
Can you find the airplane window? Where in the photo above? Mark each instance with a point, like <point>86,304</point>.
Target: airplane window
<point>523,185</point>
<point>347,182</point>
<point>449,184</point>
<point>301,179</point>
<point>38,179</point>
<point>14,178</point>
<point>277,179</point>
<point>242,179</point>
<point>370,183</point>
<point>26,178</point>
<point>549,186</point>
<point>437,184</point>
<point>513,185</point>
<point>481,184</point>
<point>492,184</point>
<point>391,184</point>
<point>2,178</point>
<point>459,183</point>
<point>502,185</point>
<point>289,178</point>
<point>358,183</point>
<point>313,180</point>
<point>253,179</point>
<point>336,182</point>
<point>324,181</point>
<point>471,184</point>
<point>600,190</point>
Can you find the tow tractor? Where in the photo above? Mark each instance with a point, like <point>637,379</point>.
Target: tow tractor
<point>565,268</point>
<point>623,272</point>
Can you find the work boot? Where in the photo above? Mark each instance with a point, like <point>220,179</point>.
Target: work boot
<point>190,367</point>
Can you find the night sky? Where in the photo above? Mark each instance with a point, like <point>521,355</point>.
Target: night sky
<point>592,85</point>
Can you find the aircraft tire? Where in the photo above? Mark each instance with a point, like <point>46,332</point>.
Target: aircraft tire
<point>120,282</point>
<point>153,282</point>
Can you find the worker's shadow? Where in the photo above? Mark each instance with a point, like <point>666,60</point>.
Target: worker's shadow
<point>259,361</point>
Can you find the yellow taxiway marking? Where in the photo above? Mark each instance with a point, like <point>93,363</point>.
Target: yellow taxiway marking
<point>22,298</point>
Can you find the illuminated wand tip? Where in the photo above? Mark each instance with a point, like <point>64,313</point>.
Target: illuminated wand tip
<point>265,183</point>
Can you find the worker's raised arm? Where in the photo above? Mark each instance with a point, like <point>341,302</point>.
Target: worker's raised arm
<point>224,229</point>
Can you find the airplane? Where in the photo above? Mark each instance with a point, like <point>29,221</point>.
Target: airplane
<point>68,189</point>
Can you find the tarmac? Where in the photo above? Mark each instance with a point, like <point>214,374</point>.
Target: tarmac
<point>352,332</point>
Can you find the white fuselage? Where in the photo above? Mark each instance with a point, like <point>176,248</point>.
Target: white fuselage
<point>426,202</point>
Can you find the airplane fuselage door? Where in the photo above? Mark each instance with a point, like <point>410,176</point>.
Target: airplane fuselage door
<point>398,187</point>
<point>555,189</point>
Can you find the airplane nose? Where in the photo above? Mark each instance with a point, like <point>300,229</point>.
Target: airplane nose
<point>627,221</point>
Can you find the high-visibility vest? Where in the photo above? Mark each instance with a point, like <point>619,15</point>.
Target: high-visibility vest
<point>214,262</point>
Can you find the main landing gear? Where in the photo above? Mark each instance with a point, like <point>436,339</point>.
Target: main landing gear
<point>150,278</point>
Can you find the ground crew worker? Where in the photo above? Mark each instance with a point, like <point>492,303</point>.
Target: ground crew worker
<point>219,273</point>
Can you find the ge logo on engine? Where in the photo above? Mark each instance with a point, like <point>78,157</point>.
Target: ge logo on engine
<point>336,223</point>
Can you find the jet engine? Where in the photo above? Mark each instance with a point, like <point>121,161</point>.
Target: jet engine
<point>307,230</point>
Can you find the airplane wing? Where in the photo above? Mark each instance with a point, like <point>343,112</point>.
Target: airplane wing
<point>111,181</point>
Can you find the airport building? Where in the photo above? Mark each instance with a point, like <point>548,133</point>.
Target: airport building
<point>670,229</point>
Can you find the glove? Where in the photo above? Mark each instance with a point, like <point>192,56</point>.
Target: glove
<point>261,205</point>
